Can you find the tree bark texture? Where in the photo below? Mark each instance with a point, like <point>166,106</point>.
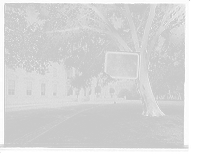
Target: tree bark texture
<point>150,106</point>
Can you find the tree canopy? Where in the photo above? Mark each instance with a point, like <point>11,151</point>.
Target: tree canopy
<point>80,34</point>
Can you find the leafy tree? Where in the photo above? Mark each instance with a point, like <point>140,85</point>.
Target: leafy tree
<point>160,87</point>
<point>97,89</point>
<point>167,74</point>
<point>79,35</point>
<point>156,85</point>
<point>112,90</point>
<point>172,83</point>
<point>70,91</point>
<point>159,66</point>
<point>24,38</point>
<point>176,80</point>
<point>170,55</point>
<point>135,94</point>
<point>125,93</point>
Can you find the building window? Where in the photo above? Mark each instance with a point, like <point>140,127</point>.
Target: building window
<point>29,88</point>
<point>55,90</point>
<point>43,89</point>
<point>11,87</point>
<point>54,72</point>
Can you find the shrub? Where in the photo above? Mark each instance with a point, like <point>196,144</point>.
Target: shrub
<point>125,92</point>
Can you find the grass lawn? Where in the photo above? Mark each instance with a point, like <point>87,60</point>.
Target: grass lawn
<point>19,123</point>
<point>100,126</point>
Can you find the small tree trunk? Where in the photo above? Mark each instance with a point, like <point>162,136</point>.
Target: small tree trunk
<point>166,96</point>
<point>170,95</point>
<point>179,95</point>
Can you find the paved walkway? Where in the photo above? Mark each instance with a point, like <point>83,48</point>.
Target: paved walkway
<point>63,103</point>
<point>54,104</point>
<point>44,129</point>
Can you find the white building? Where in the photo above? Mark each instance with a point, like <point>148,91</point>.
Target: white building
<point>23,87</point>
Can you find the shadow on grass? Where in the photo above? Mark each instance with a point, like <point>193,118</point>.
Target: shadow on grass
<point>105,126</point>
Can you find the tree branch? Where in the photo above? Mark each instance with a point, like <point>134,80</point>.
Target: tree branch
<point>87,71</point>
<point>71,29</point>
<point>143,59</point>
<point>141,21</point>
<point>132,27</point>
<point>100,15</point>
<point>164,25</point>
<point>158,33</point>
<point>119,9</point>
<point>148,27</point>
<point>101,23</point>
<point>117,36</point>
<point>152,43</point>
<point>173,17</point>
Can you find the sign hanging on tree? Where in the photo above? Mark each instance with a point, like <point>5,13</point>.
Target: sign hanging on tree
<point>122,65</point>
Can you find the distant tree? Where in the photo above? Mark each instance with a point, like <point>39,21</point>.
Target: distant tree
<point>125,93</point>
<point>70,91</point>
<point>135,94</point>
<point>97,89</point>
<point>159,66</point>
<point>169,56</point>
<point>175,80</point>
<point>172,83</point>
<point>157,86</point>
<point>112,91</point>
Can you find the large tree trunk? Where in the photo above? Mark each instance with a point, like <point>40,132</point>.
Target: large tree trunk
<point>150,106</point>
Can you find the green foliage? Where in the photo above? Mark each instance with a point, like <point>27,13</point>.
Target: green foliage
<point>80,34</point>
<point>125,93</point>
<point>167,67</point>
<point>159,67</point>
<point>97,89</point>
<point>24,38</point>
<point>177,29</point>
<point>112,90</point>
<point>173,82</point>
<point>158,86</point>
<point>129,94</point>
<point>70,91</point>
<point>135,94</point>
<point>176,79</point>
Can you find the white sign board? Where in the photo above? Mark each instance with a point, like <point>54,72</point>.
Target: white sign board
<point>122,65</point>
